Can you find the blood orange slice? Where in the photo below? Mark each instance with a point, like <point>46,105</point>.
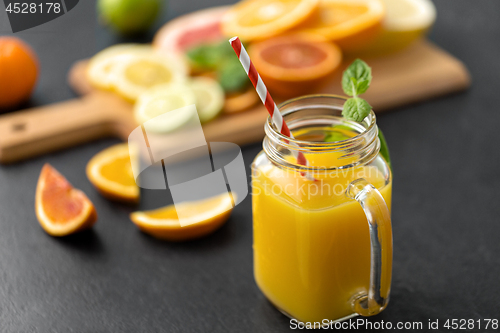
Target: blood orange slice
<point>60,208</point>
<point>295,64</point>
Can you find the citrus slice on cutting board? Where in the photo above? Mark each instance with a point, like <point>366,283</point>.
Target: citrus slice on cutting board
<point>110,171</point>
<point>205,217</point>
<point>160,100</point>
<point>60,208</point>
<point>405,21</point>
<point>349,23</point>
<point>260,19</point>
<point>136,74</point>
<point>209,97</point>
<point>240,101</point>
<point>193,29</point>
<point>294,64</point>
<point>100,71</point>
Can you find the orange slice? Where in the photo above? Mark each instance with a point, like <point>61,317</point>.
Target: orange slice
<point>295,64</point>
<point>110,171</point>
<point>60,208</point>
<point>205,216</point>
<point>349,23</point>
<point>260,19</point>
<point>240,101</point>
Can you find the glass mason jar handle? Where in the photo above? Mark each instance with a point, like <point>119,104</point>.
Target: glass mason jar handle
<point>379,222</point>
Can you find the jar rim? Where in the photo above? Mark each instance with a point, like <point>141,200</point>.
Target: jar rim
<point>365,144</point>
<point>302,143</point>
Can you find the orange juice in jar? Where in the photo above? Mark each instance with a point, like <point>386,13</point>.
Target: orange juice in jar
<point>322,232</point>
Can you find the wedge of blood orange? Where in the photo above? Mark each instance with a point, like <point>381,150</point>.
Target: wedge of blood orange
<point>60,208</point>
<point>349,23</point>
<point>295,64</point>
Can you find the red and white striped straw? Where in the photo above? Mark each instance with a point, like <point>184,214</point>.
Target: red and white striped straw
<point>266,98</point>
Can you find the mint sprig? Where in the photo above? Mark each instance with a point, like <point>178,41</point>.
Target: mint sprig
<point>356,81</point>
<point>219,57</point>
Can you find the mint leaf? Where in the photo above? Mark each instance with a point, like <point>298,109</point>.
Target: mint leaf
<point>232,77</point>
<point>343,127</point>
<point>384,150</point>
<point>205,57</point>
<point>356,109</point>
<point>363,86</point>
<point>356,78</point>
<point>335,136</point>
<point>220,57</point>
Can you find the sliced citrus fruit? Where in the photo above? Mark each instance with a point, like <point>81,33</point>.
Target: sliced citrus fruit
<point>294,64</point>
<point>404,22</point>
<point>260,19</point>
<point>240,101</point>
<point>136,74</point>
<point>349,23</point>
<point>60,208</point>
<point>209,97</point>
<point>100,70</point>
<point>190,30</point>
<point>205,217</point>
<point>160,100</point>
<point>110,171</point>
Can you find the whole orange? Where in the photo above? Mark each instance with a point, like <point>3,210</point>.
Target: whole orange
<point>18,71</point>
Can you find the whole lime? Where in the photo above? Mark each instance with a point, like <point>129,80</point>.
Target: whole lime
<point>129,16</point>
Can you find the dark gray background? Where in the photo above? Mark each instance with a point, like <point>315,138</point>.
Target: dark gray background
<point>116,279</point>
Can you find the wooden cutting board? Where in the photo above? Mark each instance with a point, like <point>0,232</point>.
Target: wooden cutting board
<point>420,72</point>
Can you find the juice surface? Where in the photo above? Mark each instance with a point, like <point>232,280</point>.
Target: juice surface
<point>311,242</point>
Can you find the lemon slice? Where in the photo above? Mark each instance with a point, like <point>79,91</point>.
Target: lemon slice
<point>134,75</point>
<point>160,100</point>
<point>405,21</point>
<point>101,67</point>
<point>209,97</point>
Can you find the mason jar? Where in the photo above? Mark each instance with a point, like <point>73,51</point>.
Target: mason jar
<point>322,229</point>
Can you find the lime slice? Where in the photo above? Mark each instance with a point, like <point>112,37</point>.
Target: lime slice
<point>160,100</point>
<point>209,97</point>
<point>134,75</point>
<point>101,67</point>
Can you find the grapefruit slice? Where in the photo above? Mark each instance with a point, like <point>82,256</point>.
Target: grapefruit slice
<point>190,30</point>
<point>294,64</point>
<point>110,171</point>
<point>60,208</point>
<point>349,23</point>
<point>259,19</point>
<point>206,216</point>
